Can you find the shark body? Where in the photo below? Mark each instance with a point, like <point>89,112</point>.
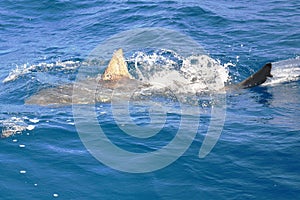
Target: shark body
<point>116,75</point>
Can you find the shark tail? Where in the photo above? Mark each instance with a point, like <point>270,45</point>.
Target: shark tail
<point>257,78</point>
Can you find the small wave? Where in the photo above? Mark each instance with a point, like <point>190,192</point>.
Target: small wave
<point>41,67</point>
<point>60,150</point>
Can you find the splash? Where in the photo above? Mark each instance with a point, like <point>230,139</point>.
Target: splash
<point>194,74</point>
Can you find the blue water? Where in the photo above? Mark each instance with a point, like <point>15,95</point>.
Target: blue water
<point>257,154</point>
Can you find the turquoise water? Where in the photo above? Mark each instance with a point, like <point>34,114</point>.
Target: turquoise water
<point>257,154</point>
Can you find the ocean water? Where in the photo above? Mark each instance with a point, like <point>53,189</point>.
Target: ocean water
<point>256,153</point>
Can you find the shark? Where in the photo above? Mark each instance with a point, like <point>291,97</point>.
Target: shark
<point>116,75</point>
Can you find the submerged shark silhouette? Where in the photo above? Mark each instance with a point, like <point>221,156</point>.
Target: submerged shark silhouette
<point>116,75</point>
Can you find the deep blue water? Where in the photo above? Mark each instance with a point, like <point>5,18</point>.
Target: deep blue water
<point>257,155</point>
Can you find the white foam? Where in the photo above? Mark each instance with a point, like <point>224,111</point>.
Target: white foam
<point>204,72</point>
<point>41,67</point>
<point>35,120</point>
<point>30,127</point>
<point>197,73</point>
<point>285,71</point>
<point>16,125</point>
<point>12,126</point>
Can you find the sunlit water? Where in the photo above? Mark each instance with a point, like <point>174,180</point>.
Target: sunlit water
<point>45,44</point>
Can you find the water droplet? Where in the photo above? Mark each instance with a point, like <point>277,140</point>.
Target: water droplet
<point>35,120</point>
<point>30,127</point>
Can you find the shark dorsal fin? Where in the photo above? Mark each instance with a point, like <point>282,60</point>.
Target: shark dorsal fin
<point>117,68</point>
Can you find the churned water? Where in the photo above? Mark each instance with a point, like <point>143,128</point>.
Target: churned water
<point>194,47</point>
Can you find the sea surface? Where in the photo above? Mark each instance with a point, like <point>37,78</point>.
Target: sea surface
<point>255,150</point>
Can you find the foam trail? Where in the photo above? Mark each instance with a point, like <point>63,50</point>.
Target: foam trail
<point>285,71</point>
<point>287,63</point>
<point>41,67</point>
